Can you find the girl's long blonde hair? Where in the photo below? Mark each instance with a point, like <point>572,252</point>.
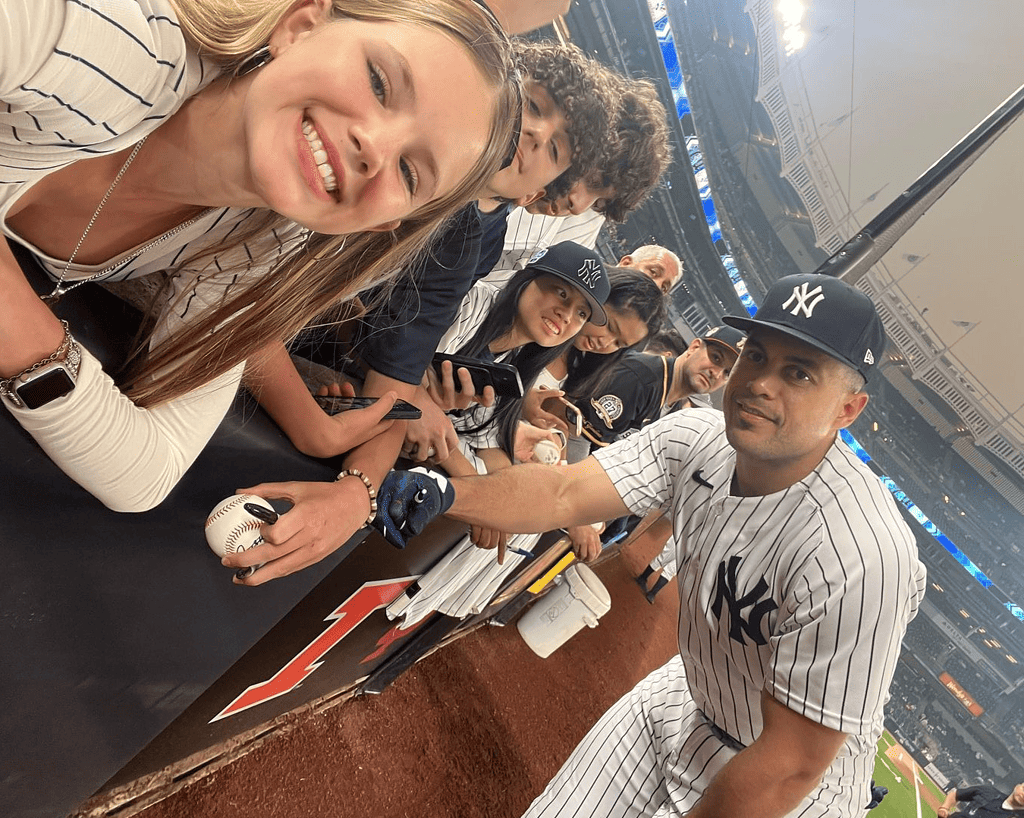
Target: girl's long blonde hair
<point>326,269</point>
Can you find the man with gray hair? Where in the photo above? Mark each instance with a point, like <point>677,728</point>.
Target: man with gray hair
<point>659,263</point>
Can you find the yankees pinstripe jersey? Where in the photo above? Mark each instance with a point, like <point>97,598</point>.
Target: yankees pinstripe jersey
<point>805,593</point>
<point>527,233</point>
<point>473,311</point>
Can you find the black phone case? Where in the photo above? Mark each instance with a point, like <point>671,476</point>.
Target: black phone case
<point>402,410</point>
<point>504,378</point>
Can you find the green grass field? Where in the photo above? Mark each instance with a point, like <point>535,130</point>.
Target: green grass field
<point>900,802</point>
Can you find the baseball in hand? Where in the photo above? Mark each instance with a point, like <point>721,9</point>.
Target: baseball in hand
<point>547,452</point>
<point>231,528</point>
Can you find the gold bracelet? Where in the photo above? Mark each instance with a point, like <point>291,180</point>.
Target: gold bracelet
<point>369,488</point>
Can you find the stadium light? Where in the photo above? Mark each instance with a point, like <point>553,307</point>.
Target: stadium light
<point>793,36</point>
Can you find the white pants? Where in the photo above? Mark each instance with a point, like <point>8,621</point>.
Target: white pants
<point>652,754</point>
<point>666,560</point>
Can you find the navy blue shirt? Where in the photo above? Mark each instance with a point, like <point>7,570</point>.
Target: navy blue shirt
<point>492,244</point>
<point>631,398</point>
<point>398,338</point>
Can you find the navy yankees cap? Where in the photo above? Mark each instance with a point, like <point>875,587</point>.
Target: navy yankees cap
<point>583,269</point>
<point>726,336</point>
<point>826,313</point>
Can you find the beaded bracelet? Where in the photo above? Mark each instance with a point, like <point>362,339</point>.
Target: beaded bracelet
<point>369,488</point>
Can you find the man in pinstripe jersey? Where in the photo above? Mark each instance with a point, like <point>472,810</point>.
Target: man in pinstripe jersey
<point>797,578</point>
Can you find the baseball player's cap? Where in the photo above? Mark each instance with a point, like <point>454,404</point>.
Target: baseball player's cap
<point>726,336</point>
<point>583,269</point>
<point>826,313</point>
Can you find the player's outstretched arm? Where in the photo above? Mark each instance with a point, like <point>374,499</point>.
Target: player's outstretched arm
<point>519,499</point>
<point>532,497</point>
<point>771,776</point>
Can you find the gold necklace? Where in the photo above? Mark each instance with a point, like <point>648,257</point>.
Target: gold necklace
<point>60,289</point>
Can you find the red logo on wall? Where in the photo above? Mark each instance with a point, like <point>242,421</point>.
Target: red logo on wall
<point>345,618</point>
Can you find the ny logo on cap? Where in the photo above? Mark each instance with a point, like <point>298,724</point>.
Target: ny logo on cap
<point>589,273</point>
<point>805,301</point>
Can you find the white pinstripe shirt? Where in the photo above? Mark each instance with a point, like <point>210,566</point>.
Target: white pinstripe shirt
<point>80,78</point>
<point>473,311</point>
<point>527,233</point>
<point>805,593</point>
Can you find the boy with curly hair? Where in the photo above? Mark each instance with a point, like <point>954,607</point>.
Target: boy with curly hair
<point>631,164</point>
<point>575,207</point>
<point>567,97</point>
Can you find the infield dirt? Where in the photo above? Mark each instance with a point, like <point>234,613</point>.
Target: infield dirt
<point>476,729</point>
<point>902,761</point>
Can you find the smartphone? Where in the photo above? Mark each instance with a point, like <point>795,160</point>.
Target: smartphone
<point>503,377</point>
<point>402,410</point>
<point>573,418</point>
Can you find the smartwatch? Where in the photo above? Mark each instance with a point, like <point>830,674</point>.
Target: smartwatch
<point>45,381</point>
<point>44,385</point>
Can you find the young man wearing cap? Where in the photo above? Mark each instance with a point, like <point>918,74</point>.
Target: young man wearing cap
<point>800,578</point>
<point>643,387</point>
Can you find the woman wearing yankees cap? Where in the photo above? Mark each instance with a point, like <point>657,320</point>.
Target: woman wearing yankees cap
<point>529,322</point>
<point>533,319</point>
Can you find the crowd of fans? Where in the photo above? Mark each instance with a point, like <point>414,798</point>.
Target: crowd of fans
<point>331,221</point>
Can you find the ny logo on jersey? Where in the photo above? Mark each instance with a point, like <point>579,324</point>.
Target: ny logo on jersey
<point>805,301</point>
<point>589,273</point>
<point>759,607</point>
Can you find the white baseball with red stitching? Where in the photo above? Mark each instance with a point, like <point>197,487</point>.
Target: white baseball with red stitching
<point>231,528</point>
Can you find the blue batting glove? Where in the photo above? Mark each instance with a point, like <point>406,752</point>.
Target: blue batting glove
<point>408,501</point>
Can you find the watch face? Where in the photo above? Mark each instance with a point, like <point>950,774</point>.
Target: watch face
<point>49,384</point>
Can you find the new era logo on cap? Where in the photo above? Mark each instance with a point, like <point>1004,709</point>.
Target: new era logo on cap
<point>826,313</point>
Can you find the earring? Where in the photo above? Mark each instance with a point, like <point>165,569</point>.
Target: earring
<point>259,58</point>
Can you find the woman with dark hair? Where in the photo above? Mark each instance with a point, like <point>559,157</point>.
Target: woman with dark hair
<point>636,311</point>
<point>528,323</point>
